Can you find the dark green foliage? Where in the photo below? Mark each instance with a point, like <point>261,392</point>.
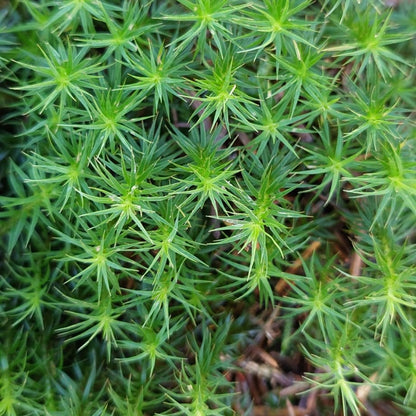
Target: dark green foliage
<point>165,169</point>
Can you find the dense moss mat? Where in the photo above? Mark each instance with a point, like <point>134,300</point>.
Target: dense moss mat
<point>207,207</point>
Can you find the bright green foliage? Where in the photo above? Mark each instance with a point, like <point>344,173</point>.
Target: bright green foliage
<point>209,18</point>
<point>173,173</point>
<point>207,170</point>
<point>331,161</point>
<point>339,358</point>
<point>162,73</point>
<point>317,296</point>
<point>373,113</point>
<point>221,92</point>
<point>366,40</point>
<point>64,73</point>
<point>274,23</point>
<point>393,180</point>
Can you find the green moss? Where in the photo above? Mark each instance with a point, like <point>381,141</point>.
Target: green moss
<point>175,172</point>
